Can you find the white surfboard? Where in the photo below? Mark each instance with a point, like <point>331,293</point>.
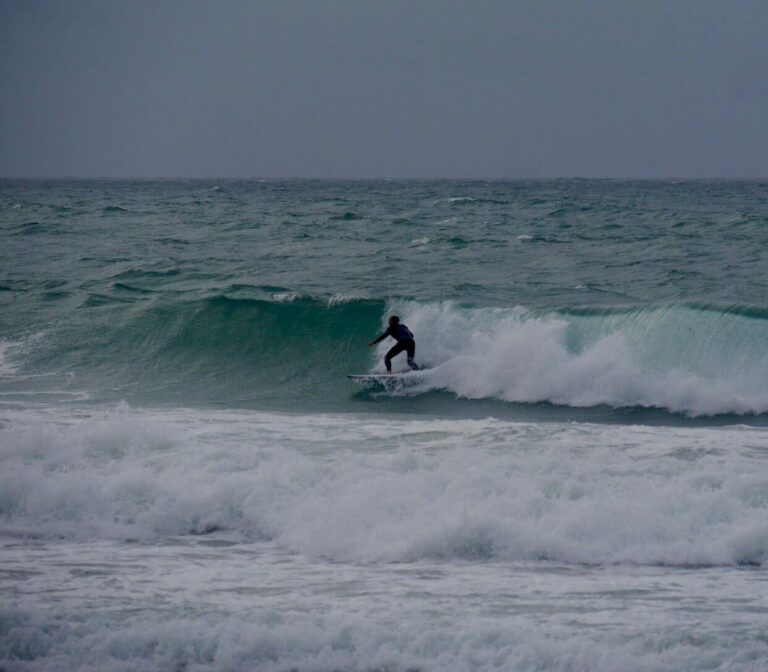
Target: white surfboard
<point>387,380</point>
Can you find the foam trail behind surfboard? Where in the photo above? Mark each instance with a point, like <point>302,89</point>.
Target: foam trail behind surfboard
<point>389,381</point>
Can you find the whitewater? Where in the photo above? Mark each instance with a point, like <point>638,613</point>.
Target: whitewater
<point>576,481</point>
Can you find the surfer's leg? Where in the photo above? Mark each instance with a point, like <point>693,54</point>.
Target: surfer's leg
<point>411,349</point>
<point>394,350</point>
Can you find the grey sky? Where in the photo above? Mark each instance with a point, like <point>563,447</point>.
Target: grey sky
<point>340,88</point>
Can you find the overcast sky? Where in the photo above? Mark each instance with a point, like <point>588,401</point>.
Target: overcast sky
<point>337,88</point>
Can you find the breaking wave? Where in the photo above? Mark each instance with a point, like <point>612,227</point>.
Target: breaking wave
<point>287,348</point>
<point>696,359</point>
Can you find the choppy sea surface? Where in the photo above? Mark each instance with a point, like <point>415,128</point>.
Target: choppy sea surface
<point>576,481</point>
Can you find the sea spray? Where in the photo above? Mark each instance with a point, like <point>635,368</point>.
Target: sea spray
<point>700,360</point>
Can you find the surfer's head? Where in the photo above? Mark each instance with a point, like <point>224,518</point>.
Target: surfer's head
<point>393,320</point>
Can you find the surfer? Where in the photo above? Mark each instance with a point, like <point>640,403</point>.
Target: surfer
<point>405,341</point>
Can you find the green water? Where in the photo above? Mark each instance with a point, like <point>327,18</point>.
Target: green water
<point>264,294</point>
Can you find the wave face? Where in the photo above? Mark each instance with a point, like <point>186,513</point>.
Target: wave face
<point>288,350</point>
<point>217,350</point>
<point>225,349</point>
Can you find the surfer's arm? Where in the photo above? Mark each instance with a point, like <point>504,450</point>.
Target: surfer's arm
<point>380,338</point>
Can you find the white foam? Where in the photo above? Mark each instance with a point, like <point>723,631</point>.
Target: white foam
<point>274,641</point>
<point>7,351</point>
<point>365,489</point>
<point>285,297</point>
<point>513,355</point>
<point>11,354</point>
<point>490,507</point>
<point>6,368</point>
<point>338,299</point>
<point>420,242</point>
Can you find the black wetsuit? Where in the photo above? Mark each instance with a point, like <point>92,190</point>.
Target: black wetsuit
<point>405,341</point>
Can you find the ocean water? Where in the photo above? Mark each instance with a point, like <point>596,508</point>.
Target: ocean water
<point>577,481</point>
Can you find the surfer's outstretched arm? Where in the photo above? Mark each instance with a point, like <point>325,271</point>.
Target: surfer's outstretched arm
<point>379,339</point>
